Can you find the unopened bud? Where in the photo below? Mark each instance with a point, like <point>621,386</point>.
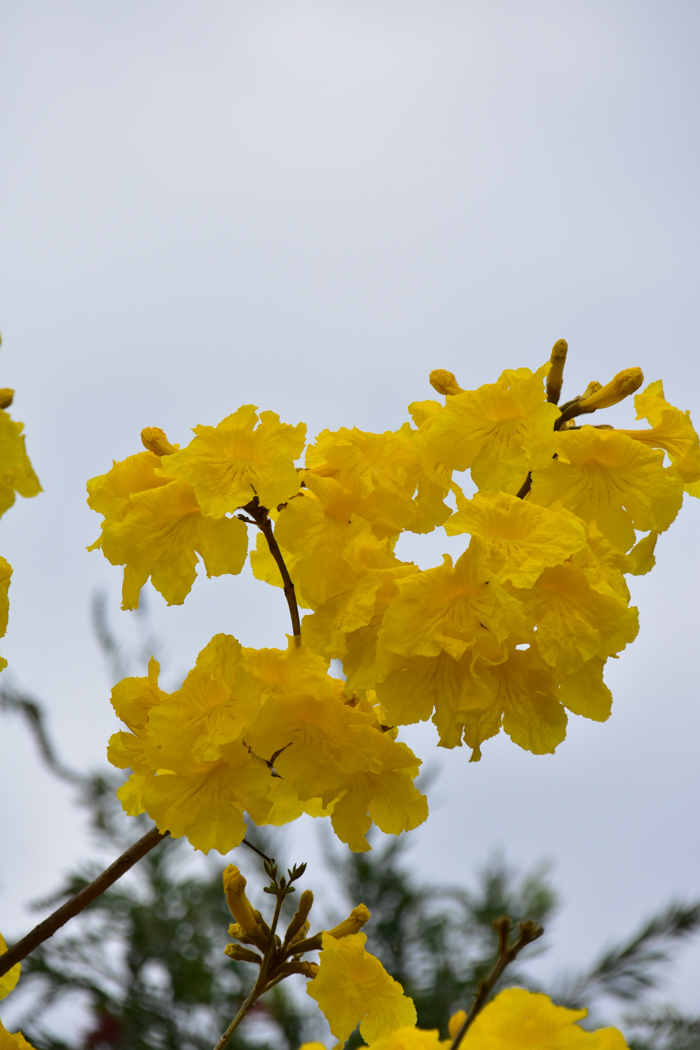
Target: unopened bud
<point>6,396</point>
<point>444,382</point>
<point>240,954</point>
<point>241,909</point>
<point>154,440</point>
<point>556,372</point>
<point>353,924</point>
<point>300,916</point>
<point>456,1022</point>
<point>623,384</point>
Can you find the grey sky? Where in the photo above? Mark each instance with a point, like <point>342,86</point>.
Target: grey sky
<point>307,205</point>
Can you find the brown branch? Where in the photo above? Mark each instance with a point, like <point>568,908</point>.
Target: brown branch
<point>529,932</point>
<point>75,905</point>
<point>261,518</point>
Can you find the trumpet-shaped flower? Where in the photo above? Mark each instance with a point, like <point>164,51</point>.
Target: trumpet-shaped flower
<point>232,463</point>
<point>516,1018</point>
<point>671,430</point>
<point>352,987</point>
<point>575,622</point>
<point>502,430</point>
<point>158,537</point>
<point>520,539</point>
<point>206,802</point>
<point>16,472</point>
<point>382,472</point>
<point>607,477</point>
<point>215,704</point>
<point>451,609</point>
<point>388,798</point>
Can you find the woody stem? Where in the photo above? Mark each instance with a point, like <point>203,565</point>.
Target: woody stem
<point>261,518</point>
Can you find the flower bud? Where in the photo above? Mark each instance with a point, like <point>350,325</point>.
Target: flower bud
<point>353,924</point>
<point>456,1022</point>
<point>444,382</point>
<point>241,909</point>
<point>240,954</point>
<point>300,916</point>
<point>6,396</point>
<point>155,441</point>
<point>621,386</point>
<point>556,372</point>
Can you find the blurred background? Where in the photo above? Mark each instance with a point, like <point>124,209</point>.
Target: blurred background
<point>308,205</point>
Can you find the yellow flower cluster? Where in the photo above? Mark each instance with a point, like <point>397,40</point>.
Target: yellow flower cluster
<point>16,476</point>
<point>511,635</point>
<point>518,630</point>
<point>267,732</point>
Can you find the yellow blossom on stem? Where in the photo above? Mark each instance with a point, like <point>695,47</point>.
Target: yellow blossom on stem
<point>517,1018</point>
<point>228,465</point>
<point>607,477</point>
<point>501,430</point>
<point>521,539</point>
<point>16,472</point>
<point>352,987</point>
<point>5,574</point>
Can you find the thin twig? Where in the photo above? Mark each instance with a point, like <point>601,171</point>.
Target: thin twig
<point>80,900</point>
<point>529,932</point>
<point>262,520</point>
<point>259,852</point>
<point>247,1004</point>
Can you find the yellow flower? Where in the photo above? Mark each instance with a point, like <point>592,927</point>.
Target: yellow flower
<point>317,741</point>
<point>516,1018</point>
<point>607,477</point>
<point>352,987</point>
<point>575,622</point>
<point>381,472</point>
<point>16,472</point>
<point>501,430</point>
<point>132,700</point>
<point>412,1039</point>
<point>158,537</point>
<point>416,687</point>
<point>13,1040</point>
<point>451,609</point>
<point>585,693</point>
<point>525,692</point>
<point>521,539</point>
<point>110,494</point>
<point>215,704</point>
<point>671,430</point>
<point>228,465</point>
<point>5,574</point>
<point>388,798</point>
<point>206,803</point>
<point>9,980</point>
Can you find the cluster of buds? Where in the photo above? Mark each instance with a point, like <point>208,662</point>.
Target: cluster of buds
<point>278,957</point>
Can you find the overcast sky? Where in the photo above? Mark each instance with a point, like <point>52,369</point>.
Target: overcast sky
<point>308,205</point>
